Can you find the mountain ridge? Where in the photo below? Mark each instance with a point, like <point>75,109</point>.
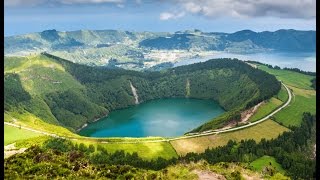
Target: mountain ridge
<point>118,36</point>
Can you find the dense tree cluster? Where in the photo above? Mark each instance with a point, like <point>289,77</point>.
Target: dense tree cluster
<point>14,94</point>
<point>72,109</point>
<point>301,71</point>
<point>60,157</point>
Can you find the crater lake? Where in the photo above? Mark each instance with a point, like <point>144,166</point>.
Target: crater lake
<point>161,117</point>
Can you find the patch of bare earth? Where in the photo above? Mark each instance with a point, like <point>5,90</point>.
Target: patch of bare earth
<point>251,177</point>
<point>11,150</point>
<point>245,115</point>
<point>208,175</point>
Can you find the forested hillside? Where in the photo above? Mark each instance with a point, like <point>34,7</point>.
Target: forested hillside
<point>61,92</point>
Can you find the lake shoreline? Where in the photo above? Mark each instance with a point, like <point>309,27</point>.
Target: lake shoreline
<point>162,117</point>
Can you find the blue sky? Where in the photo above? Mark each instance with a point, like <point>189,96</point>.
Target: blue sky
<point>24,16</point>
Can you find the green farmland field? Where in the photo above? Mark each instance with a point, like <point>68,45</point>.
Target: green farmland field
<point>267,129</point>
<point>13,134</point>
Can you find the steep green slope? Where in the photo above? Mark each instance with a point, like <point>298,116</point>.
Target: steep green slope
<point>30,83</point>
<point>61,92</point>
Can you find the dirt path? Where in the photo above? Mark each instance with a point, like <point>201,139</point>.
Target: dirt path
<point>11,149</point>
<point>30,129</point>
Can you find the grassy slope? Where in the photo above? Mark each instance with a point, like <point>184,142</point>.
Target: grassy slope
<point>289,77</point>
<point>270,105</point>
<point>40,75</point>
<point>304,97</point>
<point>265,109</point>
<point>257,132</point>
<point>144,150</point>
<point>13,134</point>
<point>303,101</point>
<point>32,121</point>
<point>282,95</point>
<point>264,161</point>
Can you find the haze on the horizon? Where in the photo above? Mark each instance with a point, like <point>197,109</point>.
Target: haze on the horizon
<point>25,16</point>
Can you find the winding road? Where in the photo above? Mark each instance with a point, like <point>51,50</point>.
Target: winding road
<point>190,135</point>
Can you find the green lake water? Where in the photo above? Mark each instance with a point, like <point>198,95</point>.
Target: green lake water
<point>162,117</point>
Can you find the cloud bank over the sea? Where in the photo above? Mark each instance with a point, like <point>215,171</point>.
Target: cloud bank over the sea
<point>304,9</point>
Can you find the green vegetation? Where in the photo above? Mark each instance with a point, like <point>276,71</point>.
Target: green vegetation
<point>60,92</point>
<point>314,83</point>
<point>270,105</point>
<point>282,95</point>
<point>257,132</point>
<point>265,109</point>
<point>265,161</point>
<point>303,101</point>
<point>146,150</point>
<point>288,150</point>
<point>304,97</point>
<point>30,142</point>
<point>13,134</point>
<point>61,158</point>
<point>27,119</point>
<point>291,78</point>
<point>55,164</point>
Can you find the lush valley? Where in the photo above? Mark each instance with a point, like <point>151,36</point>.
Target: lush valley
<point>63,93</point>
<point>23,109</point>
<point>160,90</point>
<point>47,94</point>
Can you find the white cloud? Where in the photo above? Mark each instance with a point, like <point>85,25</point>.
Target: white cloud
<point>168,15</point>
<point>304,9</point>
<point>120,5</point>
<point>13,3</point>
<point>89,1</point>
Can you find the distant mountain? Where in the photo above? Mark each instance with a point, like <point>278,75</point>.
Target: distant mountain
<point>246,40</point>
<point>51,40</point>
<point>281,40</point>
<point>141,50</point>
